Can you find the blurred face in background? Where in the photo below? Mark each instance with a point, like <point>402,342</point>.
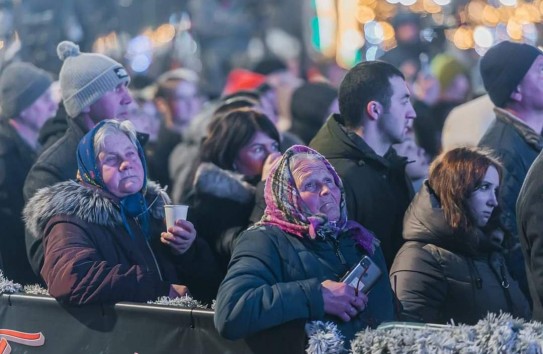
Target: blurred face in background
<point>39,112</point>
<point>251,157</point>
<point>458,90</point>
<point>418,164</point>
<point>144,116</point>
<point>185,102</point>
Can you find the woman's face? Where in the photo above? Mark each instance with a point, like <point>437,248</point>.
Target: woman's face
<point>484,199</point>
<point>251,157</point>
<point>120,165</point>
<point>317,188</point>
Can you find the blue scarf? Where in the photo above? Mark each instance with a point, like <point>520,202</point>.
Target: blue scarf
<point>134,205</point>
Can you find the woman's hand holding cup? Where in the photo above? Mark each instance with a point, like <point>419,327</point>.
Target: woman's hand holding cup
<point>180,233</point>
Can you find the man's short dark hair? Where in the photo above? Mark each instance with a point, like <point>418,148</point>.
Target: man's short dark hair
<point>365,82</point>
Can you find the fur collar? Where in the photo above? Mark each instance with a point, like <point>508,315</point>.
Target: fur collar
<point>89,204</point>
<point>213,180</point>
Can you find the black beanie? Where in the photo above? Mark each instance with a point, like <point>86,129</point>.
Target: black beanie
<point>504,66</point>
<point>310,107</point>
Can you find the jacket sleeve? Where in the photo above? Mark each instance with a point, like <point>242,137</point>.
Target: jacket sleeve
<point>420,285</point>
<point>255,296</point>
<point>529,209</point>
<point>75,272</point>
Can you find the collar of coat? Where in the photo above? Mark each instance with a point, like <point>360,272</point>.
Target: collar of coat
<point>527,133</point>
<point>213,180</point>
<point>335,141</point>
<point>425,222</point>
<point>88,203</point>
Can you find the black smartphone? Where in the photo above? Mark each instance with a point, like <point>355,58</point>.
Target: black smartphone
<point>363,275</point>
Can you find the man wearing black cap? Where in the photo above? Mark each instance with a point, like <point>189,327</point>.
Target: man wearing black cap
<point>27,103</point>
<point>513,77</point>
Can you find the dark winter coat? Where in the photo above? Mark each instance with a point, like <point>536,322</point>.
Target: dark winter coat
<point>16,159</point>
<point>530,231</point>
<point>220,207</point>
<point>517,146</point>
<point>439,275</point>
<point>56,164</point>
<point>89,257</point>
<point>275,277</point>
<point>376,188</point>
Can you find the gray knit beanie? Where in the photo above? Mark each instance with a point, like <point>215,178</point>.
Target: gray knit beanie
<point>85,77</point>
<point>21,84</point>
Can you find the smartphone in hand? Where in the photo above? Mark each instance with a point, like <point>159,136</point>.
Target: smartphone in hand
<point>363,275</point>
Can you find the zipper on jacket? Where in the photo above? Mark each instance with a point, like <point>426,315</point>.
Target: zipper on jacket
<point>335,244</point>
<point>152,253</point>
<point>475,274</point>
<point>154,259</point>
<point>503,282</point>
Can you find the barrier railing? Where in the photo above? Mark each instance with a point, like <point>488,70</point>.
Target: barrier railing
<point>126,328</point>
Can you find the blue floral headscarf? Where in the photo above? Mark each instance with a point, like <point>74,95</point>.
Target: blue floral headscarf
<point>134,205</point>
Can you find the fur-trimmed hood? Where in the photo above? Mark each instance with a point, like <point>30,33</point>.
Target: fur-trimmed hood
<point>213,180</point>
<point>87,203</point>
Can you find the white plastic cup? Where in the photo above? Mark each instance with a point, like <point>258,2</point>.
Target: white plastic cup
<point>175,212</point>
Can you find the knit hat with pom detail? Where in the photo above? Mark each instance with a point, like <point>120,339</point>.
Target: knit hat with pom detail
<point>85,77</point>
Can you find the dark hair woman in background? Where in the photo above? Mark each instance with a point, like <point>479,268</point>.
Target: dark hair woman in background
<point>234,159</point>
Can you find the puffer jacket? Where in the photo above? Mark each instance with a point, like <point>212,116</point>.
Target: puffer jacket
<point>275,277</point>
<point>221,204</point>
<point>89,257</point>
<point>377,189</point>
<point>440,276</point>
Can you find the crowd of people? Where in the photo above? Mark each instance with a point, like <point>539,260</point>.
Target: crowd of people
<point>278,214</point>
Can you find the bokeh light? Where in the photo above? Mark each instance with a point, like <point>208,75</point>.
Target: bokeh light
<point>483,37</point>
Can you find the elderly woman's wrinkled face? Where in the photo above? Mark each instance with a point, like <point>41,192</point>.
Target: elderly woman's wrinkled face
<point>317,188</point>
<point>484,199</point>
<point>120,165</point>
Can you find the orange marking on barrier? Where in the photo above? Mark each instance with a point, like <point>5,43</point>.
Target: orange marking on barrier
<point>30,339</point>
<point>4,346</point>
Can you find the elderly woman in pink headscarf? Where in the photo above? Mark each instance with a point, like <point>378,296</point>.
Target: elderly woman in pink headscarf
<point>289,265</point>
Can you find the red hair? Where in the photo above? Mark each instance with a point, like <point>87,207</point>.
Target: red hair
<point>454,176</point>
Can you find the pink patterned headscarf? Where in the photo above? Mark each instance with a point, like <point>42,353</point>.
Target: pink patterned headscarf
<point>284,210</point>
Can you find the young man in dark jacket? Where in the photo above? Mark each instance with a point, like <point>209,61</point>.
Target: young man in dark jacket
<point>94,88</point>
<point>27,103</point>
<point>512,75</point>
<point>375,113</point>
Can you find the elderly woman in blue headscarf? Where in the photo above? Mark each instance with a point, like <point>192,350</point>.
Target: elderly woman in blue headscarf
<point>104,235</point>
<point>289,265</point>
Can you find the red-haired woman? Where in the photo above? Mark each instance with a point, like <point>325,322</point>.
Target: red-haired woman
<point>451,267</point>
